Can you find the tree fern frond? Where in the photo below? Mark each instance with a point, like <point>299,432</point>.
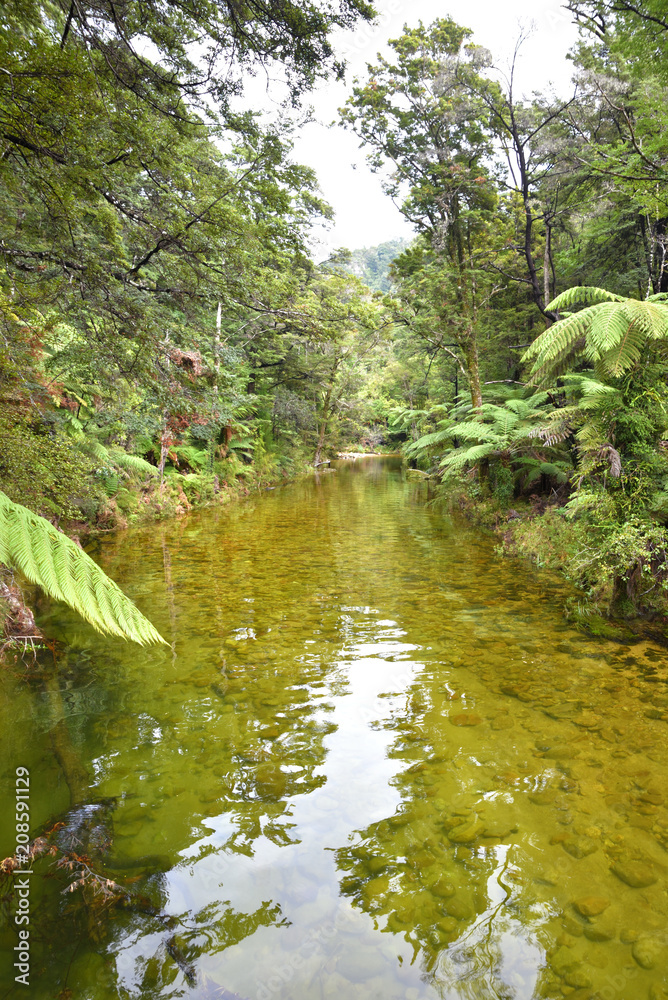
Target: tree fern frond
<point>583,295</point>
<point>54,562</point>
<point>456,460</point>
<point>614,331</point>
<point>94,447</point>
<point>428,441</point>
<point>132,462</point>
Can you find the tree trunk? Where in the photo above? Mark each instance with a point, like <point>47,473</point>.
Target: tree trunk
<point>473,371</point>
<point>323,424</point>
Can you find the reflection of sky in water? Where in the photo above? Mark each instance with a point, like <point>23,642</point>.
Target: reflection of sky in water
<point>379,766</point>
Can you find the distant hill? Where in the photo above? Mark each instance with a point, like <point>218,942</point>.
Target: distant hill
<point>371,264</point>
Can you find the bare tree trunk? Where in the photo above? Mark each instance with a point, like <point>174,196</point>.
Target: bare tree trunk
<point>323,422</point>
<point>473,371</point>
<point>547,256</point>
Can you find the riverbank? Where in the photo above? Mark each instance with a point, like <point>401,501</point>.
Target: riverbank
<point>619,570</point>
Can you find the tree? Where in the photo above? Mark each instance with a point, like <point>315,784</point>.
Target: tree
<point>417,114</point>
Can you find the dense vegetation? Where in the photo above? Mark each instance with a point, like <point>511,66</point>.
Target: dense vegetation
<point>539,278</point>
<point>167,338</point>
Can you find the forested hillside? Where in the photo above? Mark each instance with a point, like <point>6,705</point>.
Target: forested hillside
<point>167,338</point>
<point>372,264</point>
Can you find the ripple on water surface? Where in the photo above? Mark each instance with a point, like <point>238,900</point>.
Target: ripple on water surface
<point>376,764</point>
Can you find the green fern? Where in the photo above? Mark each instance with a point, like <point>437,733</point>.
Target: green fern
<point>611,333</point>
<point>54,562</point>
<point>117,457</point>
<point>132,462</point>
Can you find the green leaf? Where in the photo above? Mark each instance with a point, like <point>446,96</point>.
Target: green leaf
<point>55,563</point>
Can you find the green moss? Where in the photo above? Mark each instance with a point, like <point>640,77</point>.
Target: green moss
<point>43,470</point>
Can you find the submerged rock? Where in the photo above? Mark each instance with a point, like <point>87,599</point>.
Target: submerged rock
<point>443,889</point>
<point>601,930</point>
<point>647,952</point>
<point>543,798</point>
<point>578,978</point>
<point>466,719</point>
<point>562,961</point>
<point>466,833</point>
<point>637,874</point>
<point>580,847</point>
<point>502,722</point>
<point>460,908</point>
<point>591,906</point>
<point>560,752</point>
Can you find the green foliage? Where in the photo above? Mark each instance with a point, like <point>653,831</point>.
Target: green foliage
<point>612,333</point>
<point>44,468</point>
<point>54,562</point>
<point>372,264</point>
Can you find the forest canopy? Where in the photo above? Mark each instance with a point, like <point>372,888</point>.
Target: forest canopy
<point>168,337</point>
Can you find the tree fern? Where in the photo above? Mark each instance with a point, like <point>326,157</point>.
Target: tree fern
<point>54,562</point>
<point>611,333</point>
<point>117,457</point>
<point>132,462</point>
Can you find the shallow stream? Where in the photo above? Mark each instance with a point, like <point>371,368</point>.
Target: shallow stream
<point>377,764</point>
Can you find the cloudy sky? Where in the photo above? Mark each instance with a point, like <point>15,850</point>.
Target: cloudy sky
<point>364,215</point>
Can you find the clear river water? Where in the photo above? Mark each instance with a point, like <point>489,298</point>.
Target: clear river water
<point>375,764</point>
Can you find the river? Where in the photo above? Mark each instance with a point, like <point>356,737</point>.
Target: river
<point>376,763</point>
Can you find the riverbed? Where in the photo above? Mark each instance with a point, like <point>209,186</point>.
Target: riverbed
<point>375,763</point>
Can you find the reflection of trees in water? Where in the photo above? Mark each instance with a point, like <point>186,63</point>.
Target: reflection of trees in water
<point>456,901</point>
<point>174,962</point>
<point>271,753</point>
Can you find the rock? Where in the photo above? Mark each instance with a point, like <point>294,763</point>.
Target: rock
<point>601,930</point>
<point>516,691</point>
<point>652,797</point>
<point>561,752</point>
<point>591,906</point>
<point>466,719</point>
<point>502,722</point>
<point>637,874</point>
<point>544,798</point>
<point>549,876</point>
<point>647,952</point>
<point>572,926</point>
<point>460,908</point>
<point>466,833</point>
<point>443,889</point>
<point>498,828</point>
<point>588,720</point>
<point>579,979</point>
<point>563,961</point>
<point>580,847</point>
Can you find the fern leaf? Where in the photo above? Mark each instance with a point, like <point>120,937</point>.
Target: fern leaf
<point>51,560</point>
<point>456,460</point>
<point>132,462</point>
<point>582,295</point>
<point>611,333</point>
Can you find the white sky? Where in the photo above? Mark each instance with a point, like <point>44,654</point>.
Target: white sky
<point>364,215</point>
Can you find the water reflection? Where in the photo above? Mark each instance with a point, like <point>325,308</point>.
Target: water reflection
<point>376,764</point>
